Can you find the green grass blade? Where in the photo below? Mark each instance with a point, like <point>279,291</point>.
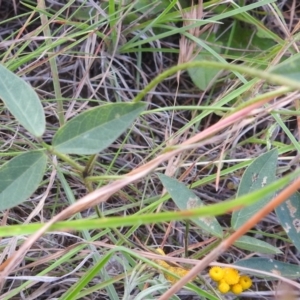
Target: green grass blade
<point>85,280</point>
<point>115,222</point>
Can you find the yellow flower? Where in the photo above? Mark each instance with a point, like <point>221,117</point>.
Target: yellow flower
<point>245,282</point>
<point>216,273</point>
<point>160,251</point>
<point>175,270</point>
<point>230,279</point>
<point>223,286</point>
<point>237,288</point>
<point>231,276</point>
<point>161,262</point>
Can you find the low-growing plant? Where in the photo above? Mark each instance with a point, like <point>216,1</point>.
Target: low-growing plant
<point>70,150</point>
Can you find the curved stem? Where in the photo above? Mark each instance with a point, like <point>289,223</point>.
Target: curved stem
<point>273,78</point>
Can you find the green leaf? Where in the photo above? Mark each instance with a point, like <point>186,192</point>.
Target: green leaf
<point>203,77</point>
<point>270,265</point>
<point>289,68</point>
<point>22,101</point>
<point>254,245</point>
<point>20,177</point>
<point>185,199</point>
<point>261,172</point>
<point>95,129</point>
<point>288,214</point>
<point>241,40</point>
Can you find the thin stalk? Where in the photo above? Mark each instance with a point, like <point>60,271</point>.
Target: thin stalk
<point>53,65</point>
<point>64,157</point>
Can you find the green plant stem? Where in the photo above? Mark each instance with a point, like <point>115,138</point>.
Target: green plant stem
<point>186,238</point>
<point>64,157</point>
<point>273,78</point>
<point>89,166</point>
<point>70,161</point>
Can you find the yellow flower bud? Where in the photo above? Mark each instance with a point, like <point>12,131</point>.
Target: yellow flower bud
<point>223,287</point>
<point>237,288</point>
<point>245,282</point>
<point>216,273</point>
